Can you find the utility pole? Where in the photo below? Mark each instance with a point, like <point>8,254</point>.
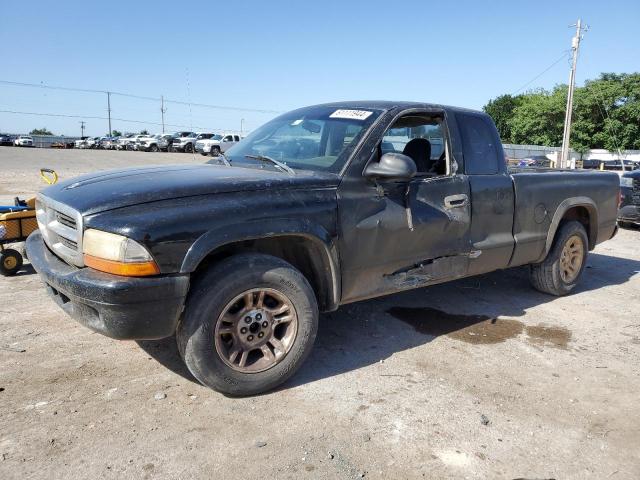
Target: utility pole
<point>241,125</point>
<point>82,129</point>
<point>109,110</point>
<point>162,110</point>
<point>575,46</point>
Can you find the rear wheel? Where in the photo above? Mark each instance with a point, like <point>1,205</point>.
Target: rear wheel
<point>10,262</point>
<point>559,273</point>
<point>249,324</point>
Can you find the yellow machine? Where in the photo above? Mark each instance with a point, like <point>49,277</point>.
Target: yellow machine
<point>16,224</point>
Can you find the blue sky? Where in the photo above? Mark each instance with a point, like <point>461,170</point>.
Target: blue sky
<point>276,55</point>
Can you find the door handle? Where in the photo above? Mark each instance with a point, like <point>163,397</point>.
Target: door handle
<point>456,201</point>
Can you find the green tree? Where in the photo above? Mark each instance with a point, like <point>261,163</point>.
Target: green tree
<point>606,114</point>
<point>618,96</point>
<point>144,132</point>
<point>116,133</point>
<point>538,119</point>
<point>40,131</point>
<point>501,110</point>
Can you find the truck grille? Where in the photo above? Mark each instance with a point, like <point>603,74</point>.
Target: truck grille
<point>61,229</point>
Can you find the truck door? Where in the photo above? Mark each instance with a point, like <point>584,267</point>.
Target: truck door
<point>399,235</point>
<point>226,143</point>
<point>492,196</point>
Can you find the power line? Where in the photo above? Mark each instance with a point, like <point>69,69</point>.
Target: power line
<point>609,126</point>
<point>139,97</point>
<point>90,117</point>
<point>564,55</point>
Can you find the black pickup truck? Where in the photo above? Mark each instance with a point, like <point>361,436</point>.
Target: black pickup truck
<point>320,207</point>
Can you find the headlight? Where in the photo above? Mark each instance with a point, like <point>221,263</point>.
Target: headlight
<point>117,254</point>
<point>626,182</point>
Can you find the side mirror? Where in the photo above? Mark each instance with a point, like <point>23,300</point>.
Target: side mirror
<point>392,166</point>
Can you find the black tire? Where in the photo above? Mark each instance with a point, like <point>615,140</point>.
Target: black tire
<point>153,148</point>
<point>546,276</point>
<point>188,148</point>
<point>10,262</point>
<point>207,299</point>
<point>215,151</point>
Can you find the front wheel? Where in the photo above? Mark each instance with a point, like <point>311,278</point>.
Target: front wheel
<point>249,323</point>
<point>10,262</point>
<point>559,273</point>
<point>215,151</point>
<point>154,148</point>
<point>188,148</point>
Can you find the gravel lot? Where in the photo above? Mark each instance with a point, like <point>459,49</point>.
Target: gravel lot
<point>479,378</point>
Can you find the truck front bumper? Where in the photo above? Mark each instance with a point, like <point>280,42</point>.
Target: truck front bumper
<point>125,308</point>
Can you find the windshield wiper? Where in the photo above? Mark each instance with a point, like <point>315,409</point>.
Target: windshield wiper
<point>281,166</point>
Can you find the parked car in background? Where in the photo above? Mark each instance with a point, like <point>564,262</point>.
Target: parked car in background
<point>23,141</point>
<point>216,144</point>
<point>149,144</point>
<point>107,143</point>
<point>136,145</point>
<point>125,140</point>
<point>132,144</point>
<point>185,142</point>
<point>81,143</point>
<point>629,212</point>
<point>535,161</point>
<point>7,140</point>
<point>164,142</point>
<point>610,165</point>
<point>129,141</point>
<point>92,142</point>
<point>176,138</point>
<point>188,144</point>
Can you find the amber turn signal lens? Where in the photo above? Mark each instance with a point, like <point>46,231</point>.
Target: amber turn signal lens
<point>141,269</point>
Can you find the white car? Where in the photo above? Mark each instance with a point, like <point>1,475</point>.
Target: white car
<point>92,142</point>
<point>23,141</point>
<point>187,143</point>
<point>217,144</point>
<point>128,142</point>
<point>82,142</point>
<point>148,143</point>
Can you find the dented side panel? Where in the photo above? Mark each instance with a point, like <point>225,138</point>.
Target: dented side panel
<point>391,240</point>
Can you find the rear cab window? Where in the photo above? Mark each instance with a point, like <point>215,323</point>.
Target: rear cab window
<point>481,153</point>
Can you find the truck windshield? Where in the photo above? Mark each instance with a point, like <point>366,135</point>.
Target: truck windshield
<point>313,138</point>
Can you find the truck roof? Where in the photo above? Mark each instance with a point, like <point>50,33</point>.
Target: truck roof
<point>390,104</point>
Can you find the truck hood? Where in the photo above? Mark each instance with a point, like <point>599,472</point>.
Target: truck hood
<point>101,191</point>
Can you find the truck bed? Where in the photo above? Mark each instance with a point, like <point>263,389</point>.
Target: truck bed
<point>542,195</point>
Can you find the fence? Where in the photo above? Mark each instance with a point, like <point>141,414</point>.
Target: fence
<point>45,141</point>
<point>517,152</point>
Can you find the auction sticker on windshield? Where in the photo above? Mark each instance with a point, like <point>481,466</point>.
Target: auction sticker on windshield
<point>351,114</point>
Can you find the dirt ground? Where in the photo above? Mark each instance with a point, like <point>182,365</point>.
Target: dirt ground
<point>479,378</point>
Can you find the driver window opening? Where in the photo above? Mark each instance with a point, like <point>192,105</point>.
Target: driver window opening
<point>421,137</point>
